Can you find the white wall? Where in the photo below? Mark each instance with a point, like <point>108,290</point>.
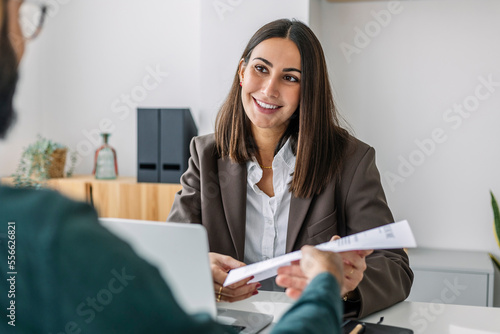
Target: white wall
<point>397,88</point>
<point>92,55</point>
<point>104,61</point>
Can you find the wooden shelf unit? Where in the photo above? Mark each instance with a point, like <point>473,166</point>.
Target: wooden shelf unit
<point>123,197</point>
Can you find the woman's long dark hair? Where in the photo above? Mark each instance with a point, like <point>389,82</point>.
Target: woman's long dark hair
<point>318,141</point>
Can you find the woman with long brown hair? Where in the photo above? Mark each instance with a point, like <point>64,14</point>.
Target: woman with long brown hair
<point>280,172</point>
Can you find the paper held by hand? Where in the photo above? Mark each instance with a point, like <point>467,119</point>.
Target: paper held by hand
<point>390,236</point>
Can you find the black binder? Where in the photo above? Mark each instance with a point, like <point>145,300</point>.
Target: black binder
<point>163,137</point>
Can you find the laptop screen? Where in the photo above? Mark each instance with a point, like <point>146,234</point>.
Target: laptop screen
<point>179,251</point>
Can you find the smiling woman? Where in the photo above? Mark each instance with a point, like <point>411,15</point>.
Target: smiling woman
<point>280,172</point>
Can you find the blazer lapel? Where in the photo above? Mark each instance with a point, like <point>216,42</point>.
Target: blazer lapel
<point>296,218</point>
<point>232,180</point>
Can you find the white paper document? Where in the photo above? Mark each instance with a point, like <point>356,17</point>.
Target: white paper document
<point>395,235</point>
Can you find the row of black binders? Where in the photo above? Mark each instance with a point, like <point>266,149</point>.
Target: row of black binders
<point>163,137</point>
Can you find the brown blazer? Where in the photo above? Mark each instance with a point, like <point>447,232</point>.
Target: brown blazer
<point>214,194</point>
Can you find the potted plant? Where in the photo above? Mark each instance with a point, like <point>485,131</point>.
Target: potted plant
<point>40,161</point>
<point>496,226</point>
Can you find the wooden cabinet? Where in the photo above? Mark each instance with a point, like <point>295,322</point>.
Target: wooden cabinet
<point>451,277</point>
<point>126,198</point>
<point>120,198</point>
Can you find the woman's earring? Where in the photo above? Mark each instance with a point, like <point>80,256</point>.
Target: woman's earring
<point>241,83</point>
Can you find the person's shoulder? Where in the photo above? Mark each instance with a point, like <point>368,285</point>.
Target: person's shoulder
<point>356,152</point>
<point>205,140</point>
<point>355,148</point>
<point>205,145</point>
<point>43,205</point>
<point>28,196</point>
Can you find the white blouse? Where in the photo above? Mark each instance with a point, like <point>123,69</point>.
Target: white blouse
<point>267,217</point>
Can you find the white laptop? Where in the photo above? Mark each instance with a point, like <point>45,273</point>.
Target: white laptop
<point>180,252</point>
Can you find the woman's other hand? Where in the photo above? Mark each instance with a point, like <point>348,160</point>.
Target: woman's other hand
<point>354,268</point>
<point>295,281</point>
<point>220,266</point>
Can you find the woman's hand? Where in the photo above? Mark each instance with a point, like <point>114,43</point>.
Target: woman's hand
<point>220,265</point>
<point>354,268</point>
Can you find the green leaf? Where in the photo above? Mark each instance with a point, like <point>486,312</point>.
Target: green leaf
<point>495,260</point>
<point>496,214</point>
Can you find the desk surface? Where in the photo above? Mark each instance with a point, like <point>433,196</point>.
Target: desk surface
<point>421,317</point>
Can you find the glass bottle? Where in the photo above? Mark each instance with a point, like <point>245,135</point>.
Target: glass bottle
<point>105,166</point>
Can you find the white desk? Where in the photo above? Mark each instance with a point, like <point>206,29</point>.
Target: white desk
<point>421,317</point>
<point>437,318</point>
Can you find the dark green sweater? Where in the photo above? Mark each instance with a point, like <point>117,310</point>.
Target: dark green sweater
<point>73,276</point>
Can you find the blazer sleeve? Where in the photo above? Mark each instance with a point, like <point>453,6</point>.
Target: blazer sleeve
<point>388,277</point>
<point>187,202</point>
